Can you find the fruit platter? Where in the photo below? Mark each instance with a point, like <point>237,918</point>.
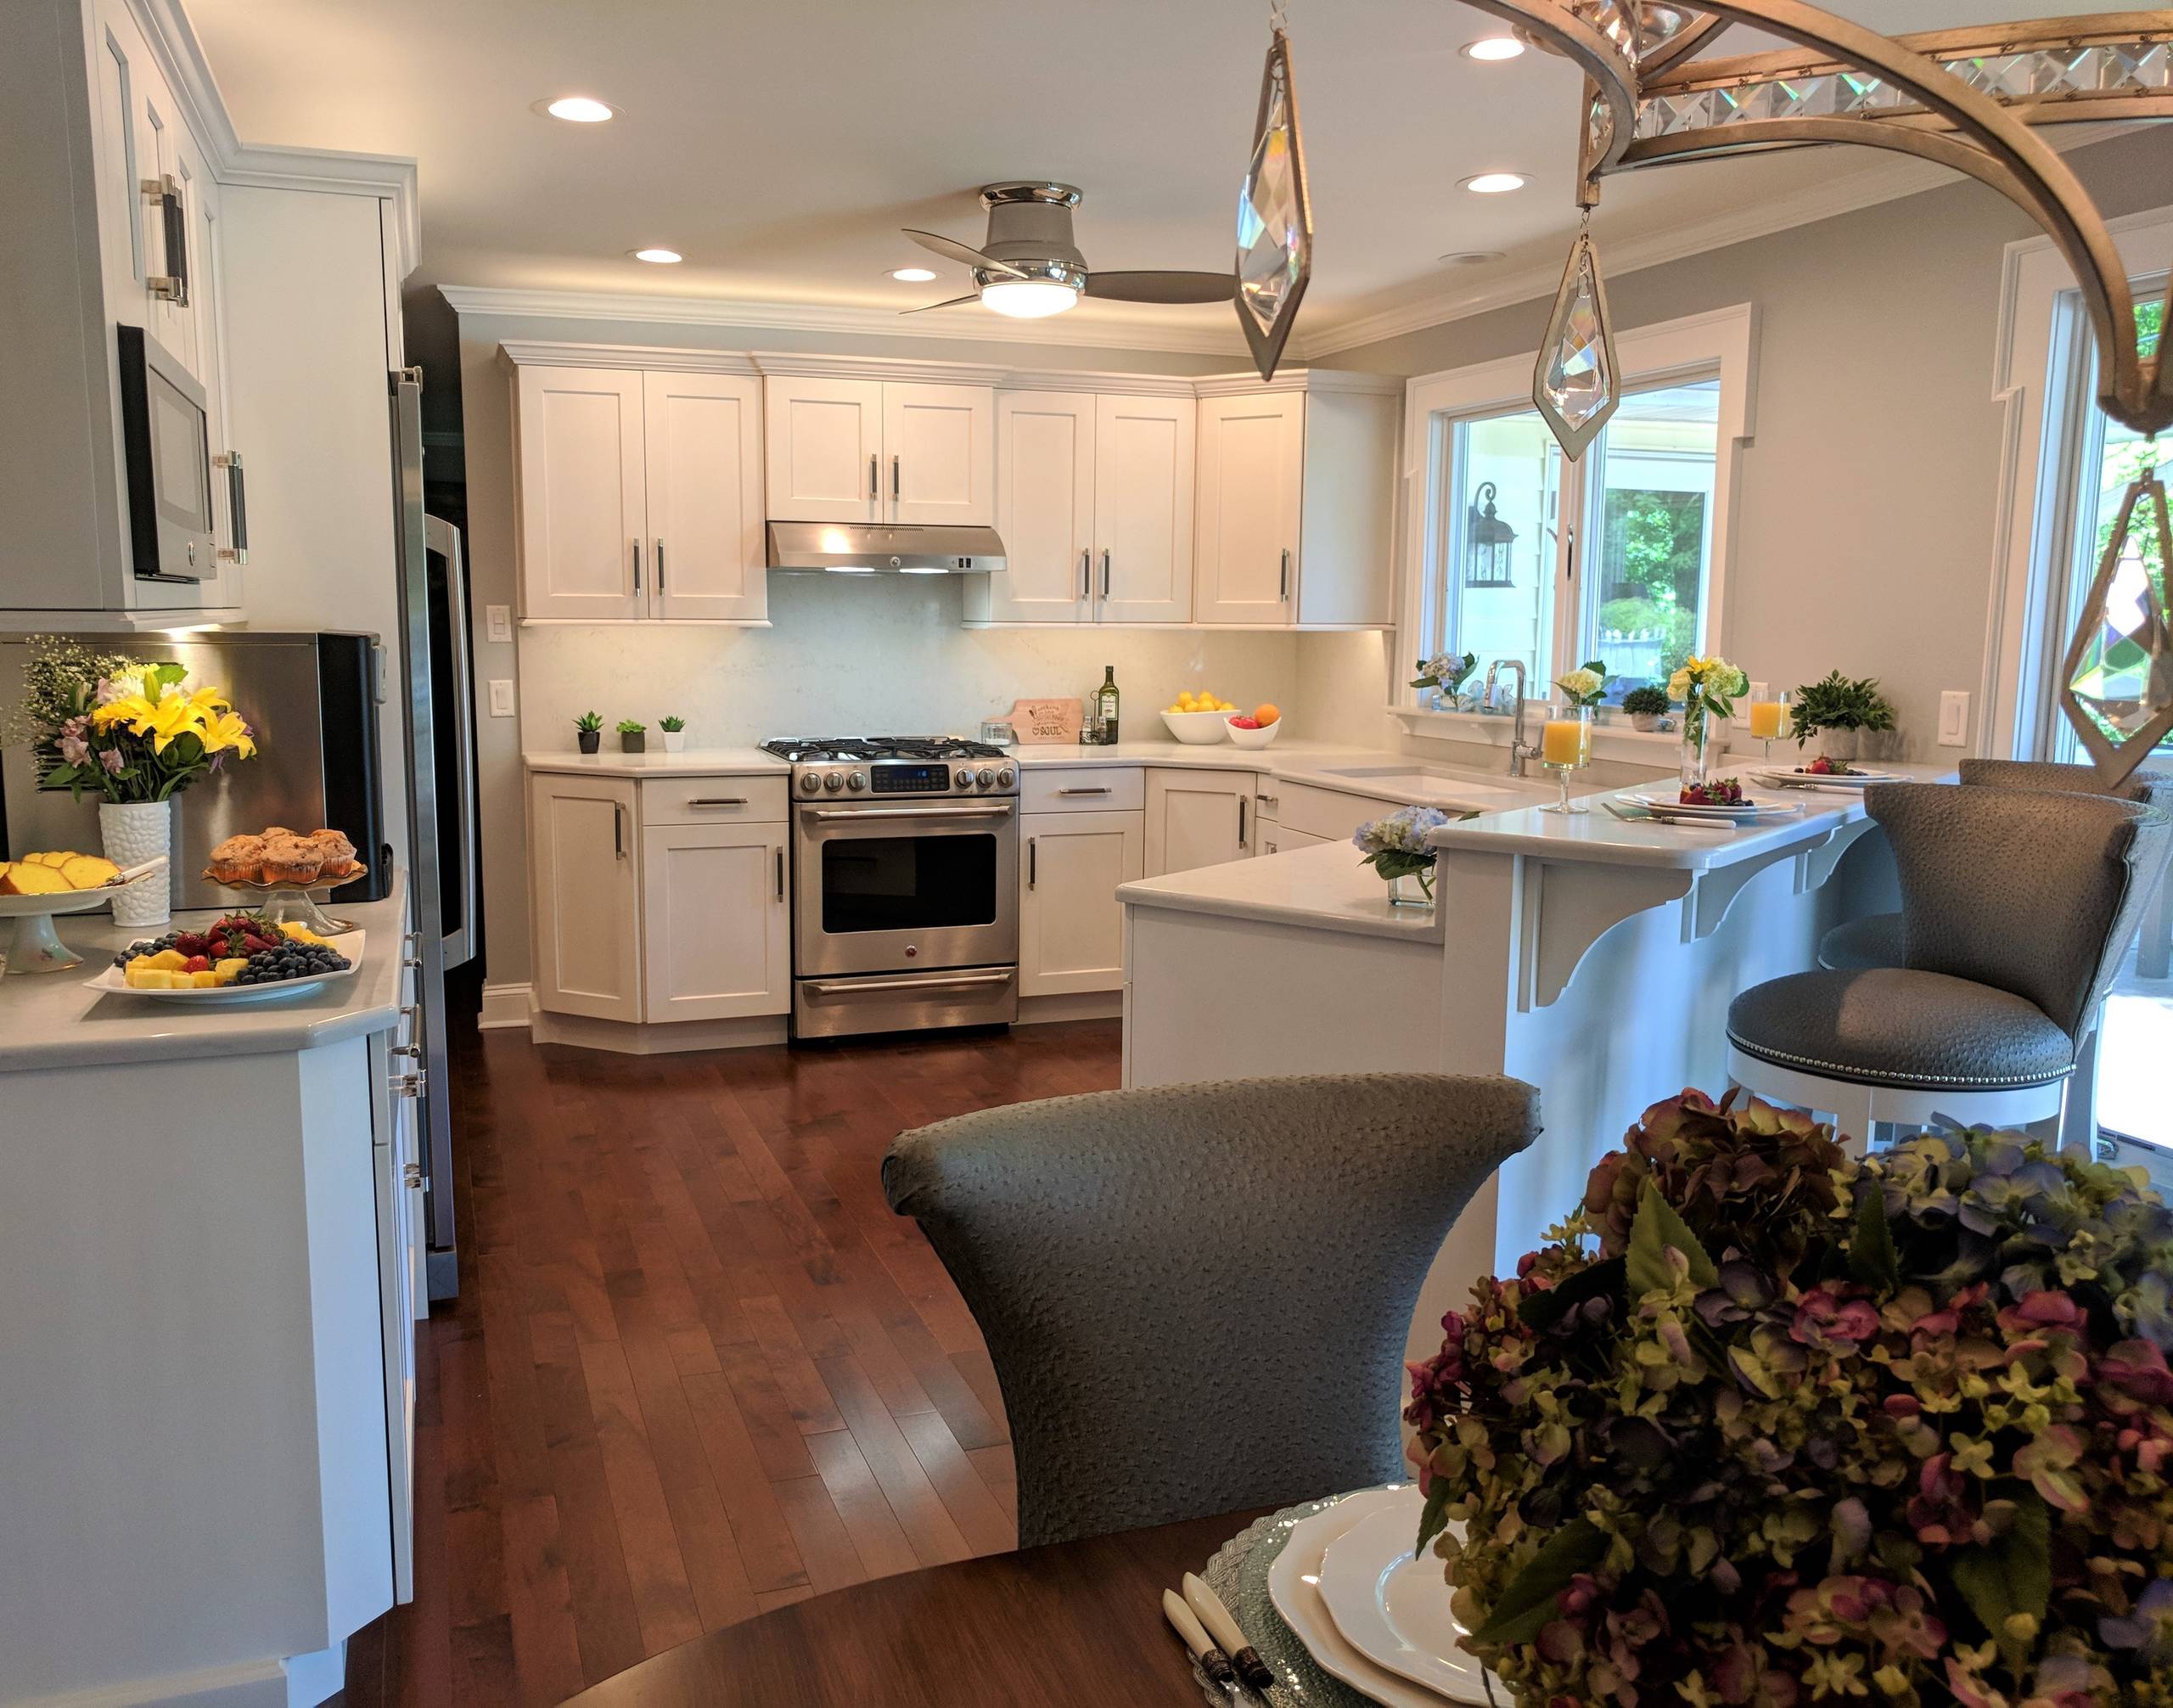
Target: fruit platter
<point>238,958</point>
<point>36,888</point>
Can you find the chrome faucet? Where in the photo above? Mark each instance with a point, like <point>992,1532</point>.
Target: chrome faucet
<point>1520,749</point>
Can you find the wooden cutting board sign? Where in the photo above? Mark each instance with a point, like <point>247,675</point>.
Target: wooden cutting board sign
<point>1047,722</point>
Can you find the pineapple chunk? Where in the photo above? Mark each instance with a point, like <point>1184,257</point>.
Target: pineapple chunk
<point>149,978</point>
<point>229,969</point>
<point>297,932</point>
<point>170,960</point>
<point>205,980</point>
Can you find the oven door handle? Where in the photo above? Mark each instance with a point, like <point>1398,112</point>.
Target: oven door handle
<point>824,987</point>
<point>859,812</point>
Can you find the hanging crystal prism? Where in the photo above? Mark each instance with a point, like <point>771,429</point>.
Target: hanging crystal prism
<point>2117,691</point>
<point>1576,386</point>
<point>1275,220</point>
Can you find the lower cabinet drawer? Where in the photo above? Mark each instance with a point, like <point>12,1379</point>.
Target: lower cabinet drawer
<point>1275,839</point>
<point>1083,789</point>
<point>713,800</point>
<point>1327,813</point>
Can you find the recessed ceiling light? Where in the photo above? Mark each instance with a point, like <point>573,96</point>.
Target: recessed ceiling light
<point>663,257</point>
<point>912,275</point>
<point>1493,48</point>
<point>1470,257</point>
<point>1494,184</point>
<point>577,110</point>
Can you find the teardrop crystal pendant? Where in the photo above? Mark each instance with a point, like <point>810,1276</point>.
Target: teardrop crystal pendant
<point>1576,386</point>
<point>1275,220</point>
<point>2117,691</point>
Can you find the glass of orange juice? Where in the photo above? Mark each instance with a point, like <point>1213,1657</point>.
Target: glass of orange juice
<point>1769,722</point>
<point>1565,745</point>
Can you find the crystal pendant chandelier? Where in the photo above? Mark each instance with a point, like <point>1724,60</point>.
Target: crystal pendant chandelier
<point>1275,219</point>
<point>1578,383</point>
<point>2118,680</point>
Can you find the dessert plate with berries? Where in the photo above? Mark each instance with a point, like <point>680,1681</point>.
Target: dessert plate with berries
<point>1826,773</point>
<point>1721,801</point>
<point>240,958</point>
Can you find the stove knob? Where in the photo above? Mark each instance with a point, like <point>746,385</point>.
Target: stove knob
<point>964,779</point>
<point>986,777</point>
<point>857,782</point>
<point>834,782</point>
<point>810,785</point>
<point>1006,777</point>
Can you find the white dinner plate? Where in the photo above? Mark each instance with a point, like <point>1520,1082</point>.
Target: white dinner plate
<point>1666,803</point>
<point>348,943</point>
<point>1392,1606</point>
<point>1797,778</point>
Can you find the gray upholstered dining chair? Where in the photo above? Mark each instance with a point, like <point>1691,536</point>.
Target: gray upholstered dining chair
<point>1198,1298</point>
<point>2018,905</point>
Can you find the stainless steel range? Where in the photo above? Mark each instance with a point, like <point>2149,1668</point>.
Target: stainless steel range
<point>906,884</point>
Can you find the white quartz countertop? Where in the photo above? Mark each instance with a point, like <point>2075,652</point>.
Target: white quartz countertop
<point>695,761</point>
<point>54,1019</point>
<point>1599,837</point>
<point>1322,889</point>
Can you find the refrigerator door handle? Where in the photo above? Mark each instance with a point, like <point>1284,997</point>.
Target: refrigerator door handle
<point>443,538</point>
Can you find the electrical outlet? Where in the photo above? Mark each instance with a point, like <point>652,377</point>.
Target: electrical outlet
<point>1954,718</point>
<point>497,623</point>
<point>501,699</point>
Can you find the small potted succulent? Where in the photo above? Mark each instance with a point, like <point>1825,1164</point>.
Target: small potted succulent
<point>1646,705</point>
<point>633,738</point>
<point>588,731</point>
<point>675,733</point>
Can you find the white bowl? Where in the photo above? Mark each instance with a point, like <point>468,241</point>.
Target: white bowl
<point>1255,738</point>
<point>1200,728</point>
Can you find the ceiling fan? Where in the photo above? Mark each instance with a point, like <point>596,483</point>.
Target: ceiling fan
<point>1030,267</point>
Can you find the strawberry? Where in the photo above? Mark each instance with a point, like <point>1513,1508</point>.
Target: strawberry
<point>190,943</point>
<point>254,945</point>
<point>196,963</point>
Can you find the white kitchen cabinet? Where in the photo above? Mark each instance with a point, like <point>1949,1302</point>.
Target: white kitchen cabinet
<point>823,441</point>
<point>1070,923</point>
<point>1045,498</point>
<point>583,513</point>
<point>1252,453</point>
<point>1275,839</point>
<point>1144,450</point>
<point>395,1156</point>
<point>938,443</point>
<point>704,464</point>
<point>1197,818</point>
<point>583,840</point>
<point>715,924</point>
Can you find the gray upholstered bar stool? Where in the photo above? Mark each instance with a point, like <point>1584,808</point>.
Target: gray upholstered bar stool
<point>1199,1298</point>
<point>2019,904</point>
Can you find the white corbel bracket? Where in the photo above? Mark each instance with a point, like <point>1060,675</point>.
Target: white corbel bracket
<point>1571,907</point>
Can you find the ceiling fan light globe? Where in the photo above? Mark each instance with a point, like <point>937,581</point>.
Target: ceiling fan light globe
<point>1028,299</point>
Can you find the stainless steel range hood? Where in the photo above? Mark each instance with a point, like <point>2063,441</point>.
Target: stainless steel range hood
<point>868,549</point>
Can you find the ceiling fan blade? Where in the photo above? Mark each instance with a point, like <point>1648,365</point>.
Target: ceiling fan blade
<point>1163,287</point>
<point>958,252</point>
<point>948,302</point>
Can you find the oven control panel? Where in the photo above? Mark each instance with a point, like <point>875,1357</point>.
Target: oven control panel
<point>900,777</point>
<point>903,777</point>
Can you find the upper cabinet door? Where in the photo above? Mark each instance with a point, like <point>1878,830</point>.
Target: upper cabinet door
<point>705,461</point>
<point>940,453</point>
<point>824,449</point>
<point>584,512</point>
<point>1044,507</point>
<point>1251,475</point>
<point>1143,456</point>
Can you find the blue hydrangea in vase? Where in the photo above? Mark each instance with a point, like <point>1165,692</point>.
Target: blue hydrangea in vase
<point>1396,847</point>
<point>1440,677</point>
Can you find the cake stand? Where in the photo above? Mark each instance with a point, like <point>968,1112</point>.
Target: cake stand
<point>34,946</point>
<point>294,904</point>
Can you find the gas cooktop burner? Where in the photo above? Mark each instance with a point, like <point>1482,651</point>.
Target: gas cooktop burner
<point>846,749</point>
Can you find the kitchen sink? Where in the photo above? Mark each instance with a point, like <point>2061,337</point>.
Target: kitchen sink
<point>1473,791</point>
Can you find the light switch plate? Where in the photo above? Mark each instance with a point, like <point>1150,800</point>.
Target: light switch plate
<point>497,622</point>
<point>1954,718</point>
<point>500,697</point>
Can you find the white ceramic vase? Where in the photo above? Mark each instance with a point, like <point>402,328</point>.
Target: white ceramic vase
<point>1844,744</point>
<point>134,831</point>
<point>675,740</point>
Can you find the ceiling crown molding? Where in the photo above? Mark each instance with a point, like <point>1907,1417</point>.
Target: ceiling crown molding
<point>648,309</point>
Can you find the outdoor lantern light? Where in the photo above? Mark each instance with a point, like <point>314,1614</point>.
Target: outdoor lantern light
<point>1491,538</point>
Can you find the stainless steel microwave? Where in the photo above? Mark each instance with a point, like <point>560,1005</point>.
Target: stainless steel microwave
<point>166,441</point>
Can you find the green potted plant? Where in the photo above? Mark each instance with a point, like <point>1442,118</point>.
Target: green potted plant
<point>675,733</point>
<point>588,732</point>
<point>633,738</point>
<point>1842,712</point>
<point>1646,705</point>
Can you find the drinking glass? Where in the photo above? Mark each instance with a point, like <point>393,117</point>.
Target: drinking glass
<point>1769,722</point>
<point>1565,745</point>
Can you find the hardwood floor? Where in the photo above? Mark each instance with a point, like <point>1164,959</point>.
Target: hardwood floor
<point>697,1369</point>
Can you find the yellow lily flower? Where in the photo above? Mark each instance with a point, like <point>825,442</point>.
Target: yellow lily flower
<point>173,716</point>
<point>228,730</point>
<point>128,708</point>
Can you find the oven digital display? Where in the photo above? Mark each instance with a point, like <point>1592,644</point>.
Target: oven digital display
<point>909,779</point>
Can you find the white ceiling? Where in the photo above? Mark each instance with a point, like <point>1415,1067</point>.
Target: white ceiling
<point>778,144</point>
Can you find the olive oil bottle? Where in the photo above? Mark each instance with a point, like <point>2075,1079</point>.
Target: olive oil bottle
<point>1105,707</point>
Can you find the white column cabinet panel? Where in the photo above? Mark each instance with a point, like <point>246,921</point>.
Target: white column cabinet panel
<point>1070,924</point>
<point>939,454</point>
<point>583,512</point>
<point>705,482</point>
<point>718,931</point>
<point>1251,478</point>
<point>583,838</point>
<point>1143,475</point>
<point>1198,819</point>
<point>1046,454</point>
<point>824,444</point>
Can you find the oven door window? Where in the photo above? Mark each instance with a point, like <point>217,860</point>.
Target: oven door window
<point>907,883</point>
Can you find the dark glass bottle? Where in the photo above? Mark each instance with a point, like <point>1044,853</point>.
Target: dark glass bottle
<point>1105,707</point>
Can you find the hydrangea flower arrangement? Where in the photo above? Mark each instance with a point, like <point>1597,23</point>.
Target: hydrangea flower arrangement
<point>1764,1424</point>
<point>1395,846</point>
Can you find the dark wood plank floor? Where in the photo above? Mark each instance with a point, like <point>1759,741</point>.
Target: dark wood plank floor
<point>697,1369</point>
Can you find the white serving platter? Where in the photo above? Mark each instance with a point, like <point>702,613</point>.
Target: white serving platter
<point>1797,778</point>
<point>1665,803</point>
<point>348,943</point>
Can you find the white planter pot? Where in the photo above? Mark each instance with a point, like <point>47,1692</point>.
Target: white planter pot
<point>1645,721</point>
<point>135,831</point>
<point>1841,744</point>
<point>675,740</point>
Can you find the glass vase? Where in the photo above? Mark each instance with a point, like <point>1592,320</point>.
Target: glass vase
<point>1697,757</point>
<point>1412,889</point>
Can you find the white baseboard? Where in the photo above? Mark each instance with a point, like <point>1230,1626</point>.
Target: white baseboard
<point>670,1039</point>
<point>506,1005</point>
<point>1080,1005</point>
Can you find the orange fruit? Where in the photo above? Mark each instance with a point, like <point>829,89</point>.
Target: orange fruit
<point>1267,714</point>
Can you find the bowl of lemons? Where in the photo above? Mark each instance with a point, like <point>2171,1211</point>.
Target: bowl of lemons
<point>1200,719</point>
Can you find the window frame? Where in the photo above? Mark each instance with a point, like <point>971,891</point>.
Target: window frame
<point>1720,344</point>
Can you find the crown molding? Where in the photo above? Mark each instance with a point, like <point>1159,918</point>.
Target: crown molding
<point>821,366</point>
<point>180,55</point>
<point>1251,385</point>
<point>520,302</point>
<point>1097,383</point>
<point>521,353</point>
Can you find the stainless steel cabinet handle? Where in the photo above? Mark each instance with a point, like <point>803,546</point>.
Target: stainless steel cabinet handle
<point>822,988</point>
<point>780,874</point>
<point>1106,572</point>
<point>411,1174</point>
<point>1241,821</point>
<point>415,1050</point>
<point>172,284</point>
<point>1087,572</point>
<point>1033,865</point>
<point>409,1085</point>
<point>659,563</point>
<point>718,800</point>
<point>896,479</point>
<point>854,812</point>
<point>1084,791</point>
<point>1273,801</point>
<point>637,569</point>
<point>236,507</point>
<point>618,831</point>
<point>1285,594</point>
<point>874,480</point>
